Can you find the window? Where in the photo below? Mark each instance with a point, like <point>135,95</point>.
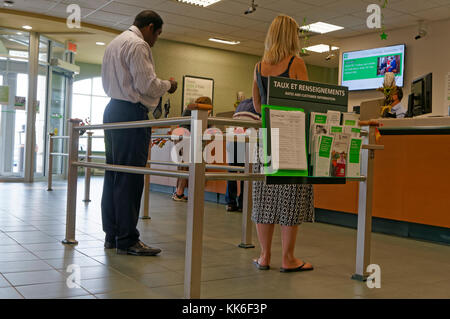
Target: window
<point>88,103</point>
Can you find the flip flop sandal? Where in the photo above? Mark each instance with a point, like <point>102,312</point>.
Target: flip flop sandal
<point>259,266</point>
<point>300,268</point>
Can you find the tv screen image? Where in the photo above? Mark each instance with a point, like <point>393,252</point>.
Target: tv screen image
<point>365,69</point>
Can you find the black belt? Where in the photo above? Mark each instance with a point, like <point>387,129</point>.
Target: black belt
<point>140,105</point>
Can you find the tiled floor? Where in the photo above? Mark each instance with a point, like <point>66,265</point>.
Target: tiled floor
<point>33,262</point>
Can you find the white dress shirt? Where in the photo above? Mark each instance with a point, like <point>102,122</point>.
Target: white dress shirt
<point>128,71</point>
<point>399,111</point>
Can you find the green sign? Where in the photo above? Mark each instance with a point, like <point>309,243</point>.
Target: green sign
<point>4,95</point>
<point>325,146</point>
<point>336,129</point>
<point>366,68</point>
<point>320,119</point>
<point>284,88</point>
<point>355,148</point>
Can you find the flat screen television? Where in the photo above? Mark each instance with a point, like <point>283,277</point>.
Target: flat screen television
<point>365,69</point>
<point>419,101</point>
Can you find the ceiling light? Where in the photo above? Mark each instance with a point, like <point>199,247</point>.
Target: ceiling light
<point>320,48</point>
<point>321,27</point>
<point>224,41</point>
<point>201,3</point>
<point>27,27</point>
<point>8,3</point>
<point>100,43</point>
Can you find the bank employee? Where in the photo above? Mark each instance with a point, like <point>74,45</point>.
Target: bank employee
<point>129,78</point>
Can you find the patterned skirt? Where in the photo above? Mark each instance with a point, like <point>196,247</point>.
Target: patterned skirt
<point>287,205</point>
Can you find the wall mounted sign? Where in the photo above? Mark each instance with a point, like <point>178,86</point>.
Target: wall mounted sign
<point>195,87</point>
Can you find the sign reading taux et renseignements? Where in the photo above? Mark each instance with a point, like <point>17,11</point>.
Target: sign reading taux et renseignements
<point>284,88</point>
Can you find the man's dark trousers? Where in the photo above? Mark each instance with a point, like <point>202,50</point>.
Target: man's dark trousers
<point>122,192</point>
<point>231,193</point>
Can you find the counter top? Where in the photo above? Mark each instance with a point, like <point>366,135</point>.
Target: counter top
<point>430,125</point>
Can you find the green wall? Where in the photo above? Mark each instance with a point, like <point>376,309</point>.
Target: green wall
<point>231,71</point>
<point>88,71</point>
<point>323,74</point>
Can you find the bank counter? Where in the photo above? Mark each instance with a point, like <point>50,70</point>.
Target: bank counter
<point>411,182</point>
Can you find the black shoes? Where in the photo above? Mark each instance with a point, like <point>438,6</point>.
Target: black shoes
<point>139,249</point>
<point>110,245</point>
<point>234,208</point>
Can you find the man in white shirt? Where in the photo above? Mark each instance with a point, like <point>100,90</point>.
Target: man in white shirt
<point>129,78</point>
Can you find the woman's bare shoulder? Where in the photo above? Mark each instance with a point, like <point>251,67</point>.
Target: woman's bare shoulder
<point>299,69</point>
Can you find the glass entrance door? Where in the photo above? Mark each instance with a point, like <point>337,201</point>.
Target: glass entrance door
<point>14,48</point>
<point>57,117</point>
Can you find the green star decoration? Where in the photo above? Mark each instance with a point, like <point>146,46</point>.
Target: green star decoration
<point>383,36</point>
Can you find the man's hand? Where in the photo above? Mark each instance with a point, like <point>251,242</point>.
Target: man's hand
<point>173,86</point>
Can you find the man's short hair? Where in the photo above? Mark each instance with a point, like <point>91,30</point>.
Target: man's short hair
<point>147,17</point>
<point>399,93</point>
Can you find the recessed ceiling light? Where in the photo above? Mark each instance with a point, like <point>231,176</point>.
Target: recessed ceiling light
<point>320,48</point>
<point>224,41</point>
<point>8,3</point>
<point>27,27</point>
<point>201,3</point>
<point>100,43</point>
<point>321,27</point>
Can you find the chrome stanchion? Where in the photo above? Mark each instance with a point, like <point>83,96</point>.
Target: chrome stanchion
<point>50,162</point>
<point>246,239</point>
<point>146,194</point>
<point>87,170</point>
<point>365,205</point>
<point>72,176</point>
<point>195,211</point>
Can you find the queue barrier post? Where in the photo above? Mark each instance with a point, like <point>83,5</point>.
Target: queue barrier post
<point>72,176</point>
<point>146,195</point>
<point>195,211</point>
<point>246,239</point>
<point>50,162</point>
<point>364,228</point>
<point>87,170</point>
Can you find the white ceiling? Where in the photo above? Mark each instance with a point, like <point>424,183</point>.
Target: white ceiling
<point>226,19</point>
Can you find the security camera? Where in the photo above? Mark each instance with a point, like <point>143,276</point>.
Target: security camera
<point>252,8</point>
<point>330,56</point>
<point>422,32</point>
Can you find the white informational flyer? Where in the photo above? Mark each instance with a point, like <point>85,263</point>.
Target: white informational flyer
<point>288,141</point>
<point>316,129</point>
<point>354,157</point>
<point>317,118</point>
<point>322,157</point>
<point>339,154</point>
<point>333,117</point>
<point>352,131</point>
<point>350,119</point>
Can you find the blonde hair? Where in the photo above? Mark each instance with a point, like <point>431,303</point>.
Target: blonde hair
<point>282,40</point>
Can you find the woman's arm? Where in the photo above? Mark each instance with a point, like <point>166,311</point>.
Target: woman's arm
<point>299,70</point>
<point>256,95</point>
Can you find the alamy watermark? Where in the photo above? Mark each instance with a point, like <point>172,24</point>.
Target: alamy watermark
<point>374,280</point>
<point>208,146</point>
<point>74,279</point>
